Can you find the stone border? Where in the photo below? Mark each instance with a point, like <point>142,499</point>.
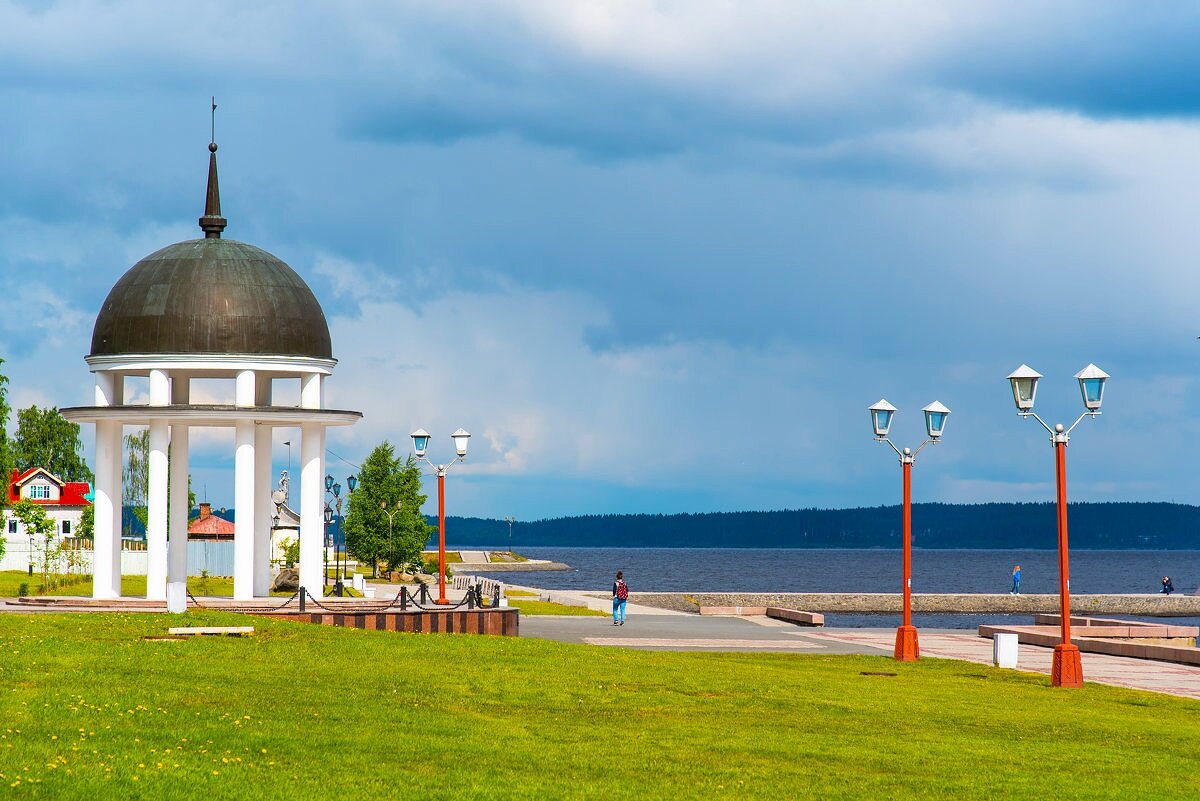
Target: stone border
<point>1151,605</point>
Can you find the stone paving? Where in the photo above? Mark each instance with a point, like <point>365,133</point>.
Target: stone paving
<point>660,629</point>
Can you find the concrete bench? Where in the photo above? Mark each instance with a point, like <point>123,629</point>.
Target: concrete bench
<point>734,611</point>
<point>796,616</point>
<point>789,615</point>
<point>232,631</point>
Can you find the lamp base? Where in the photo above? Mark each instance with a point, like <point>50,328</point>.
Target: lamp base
<point>443,601</point>
<point>1066,670</point>
<point>907,647</point>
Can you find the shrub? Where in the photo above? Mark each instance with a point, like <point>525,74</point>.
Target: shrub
<point>23,590</point>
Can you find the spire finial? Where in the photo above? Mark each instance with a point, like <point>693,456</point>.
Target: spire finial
<point>212,223</point>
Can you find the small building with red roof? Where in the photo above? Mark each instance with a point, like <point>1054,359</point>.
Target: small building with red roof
<point>209,526</point>
<point>64,501</point>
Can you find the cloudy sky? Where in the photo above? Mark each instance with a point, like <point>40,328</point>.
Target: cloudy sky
<point>655,256</point>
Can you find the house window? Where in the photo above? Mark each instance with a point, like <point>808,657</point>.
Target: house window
<point>12,526</point>
<point>66,527</point>
<point>39,491</point>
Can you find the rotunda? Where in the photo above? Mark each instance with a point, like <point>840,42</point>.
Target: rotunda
<point>208,308</point>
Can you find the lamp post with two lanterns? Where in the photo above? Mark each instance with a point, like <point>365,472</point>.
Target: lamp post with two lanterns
<point>907,647</point>
<point>1066,668</point>
<point>334,489</point>
<point>420,445</point>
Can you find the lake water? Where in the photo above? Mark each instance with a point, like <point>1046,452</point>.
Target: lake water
<point>874,570</point>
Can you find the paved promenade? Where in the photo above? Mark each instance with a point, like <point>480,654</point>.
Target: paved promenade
<point>660,629</point>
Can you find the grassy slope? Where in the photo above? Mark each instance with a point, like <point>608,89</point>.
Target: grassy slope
<point>90,710</point>
<point>133,586</point>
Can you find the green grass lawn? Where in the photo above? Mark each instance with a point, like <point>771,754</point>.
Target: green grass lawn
<point>132,586</point>
<point>535,607</point>
<point>90,710</point>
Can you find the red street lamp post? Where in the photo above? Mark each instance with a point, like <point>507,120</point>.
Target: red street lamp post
<point>420,444</point>
<point>908,649</point>
<point>1066,670</point>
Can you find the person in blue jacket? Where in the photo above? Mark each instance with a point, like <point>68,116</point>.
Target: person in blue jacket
<point>1016,590</point>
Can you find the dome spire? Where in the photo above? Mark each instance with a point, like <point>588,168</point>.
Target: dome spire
<point>212,223</point>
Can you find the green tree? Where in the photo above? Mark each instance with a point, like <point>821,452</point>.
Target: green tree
<point>47,439</point>
<point>387,487</point>
<point>41,528</point>
<point>135,476</point>
<point>87,523</point>
<point>6,462</point>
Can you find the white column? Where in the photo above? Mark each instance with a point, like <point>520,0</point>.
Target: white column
<point>262,493</point>
<point>156,492</point>
<point>106,527</point>
<point>177,530</point>
<point>156,513</point>
<point>312,517</point>
<point>243,493</point>
<point>312,391</point>
<point>177,537</point>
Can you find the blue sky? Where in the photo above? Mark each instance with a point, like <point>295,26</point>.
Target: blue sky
<point>655,256</point>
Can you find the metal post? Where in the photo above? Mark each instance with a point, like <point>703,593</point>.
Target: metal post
<point>441,477</point>
<point>907,648</point>
<point>303,592</point>
<point>403,598</point>
<point>1067,668</point>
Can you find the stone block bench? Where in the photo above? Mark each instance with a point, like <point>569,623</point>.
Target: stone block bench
<point>778,613</point>
<point>1130,638</point>
<point>227,631</point>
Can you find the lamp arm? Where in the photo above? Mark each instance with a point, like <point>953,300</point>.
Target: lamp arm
<point>889,442</point>
<point>1040,420</point>
<point>922,445</point>
<point>1080,419</point>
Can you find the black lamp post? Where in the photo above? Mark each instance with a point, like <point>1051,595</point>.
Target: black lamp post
<point>335,489</point>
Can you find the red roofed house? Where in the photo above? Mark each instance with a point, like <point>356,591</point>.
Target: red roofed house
<point>209,526</point>
<point>64,501</point>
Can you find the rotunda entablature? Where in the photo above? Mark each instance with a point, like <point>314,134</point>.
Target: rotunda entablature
<point>208,365</point>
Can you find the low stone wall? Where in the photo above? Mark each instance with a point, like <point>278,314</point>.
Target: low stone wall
<point>1148,605</point>
<point>504,622</point>
<point>506,567</point>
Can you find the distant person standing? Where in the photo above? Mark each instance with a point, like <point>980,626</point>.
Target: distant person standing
<point>620,596</point>
<point>1168,587</point>
<point>1016,590</point>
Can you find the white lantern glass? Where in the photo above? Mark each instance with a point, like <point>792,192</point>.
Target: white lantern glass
<point>1091,386</point>
<point>420,439</point>
<point>935,419</point>
<point>460,438</point>
<point>881,417</point>
<point>1024,382</point>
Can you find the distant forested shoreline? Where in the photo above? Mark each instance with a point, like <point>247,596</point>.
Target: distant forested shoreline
<point>1125,525</point>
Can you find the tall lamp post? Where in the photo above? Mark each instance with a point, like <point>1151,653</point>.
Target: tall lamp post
<point>1066,670</point>
<point>907,647</point>
<point>334,489</point>
<point>510,520</point>
<point>391,513</point>
<point>420,445</point>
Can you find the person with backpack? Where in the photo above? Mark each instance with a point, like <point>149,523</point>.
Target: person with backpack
<point>620,596</point>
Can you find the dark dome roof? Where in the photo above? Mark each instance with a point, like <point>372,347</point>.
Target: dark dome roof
<point>213,296</point>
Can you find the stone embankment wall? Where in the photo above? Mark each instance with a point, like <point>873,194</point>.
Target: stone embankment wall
<point>1149,605</point>
<point>506,567</point>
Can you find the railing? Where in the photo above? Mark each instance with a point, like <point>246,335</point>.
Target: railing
<point>404,601</point>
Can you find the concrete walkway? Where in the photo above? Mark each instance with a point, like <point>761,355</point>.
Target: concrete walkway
<point>660,630</point>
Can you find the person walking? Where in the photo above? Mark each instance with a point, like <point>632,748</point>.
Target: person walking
<point>620,596</point>
<point>1016,590</point>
